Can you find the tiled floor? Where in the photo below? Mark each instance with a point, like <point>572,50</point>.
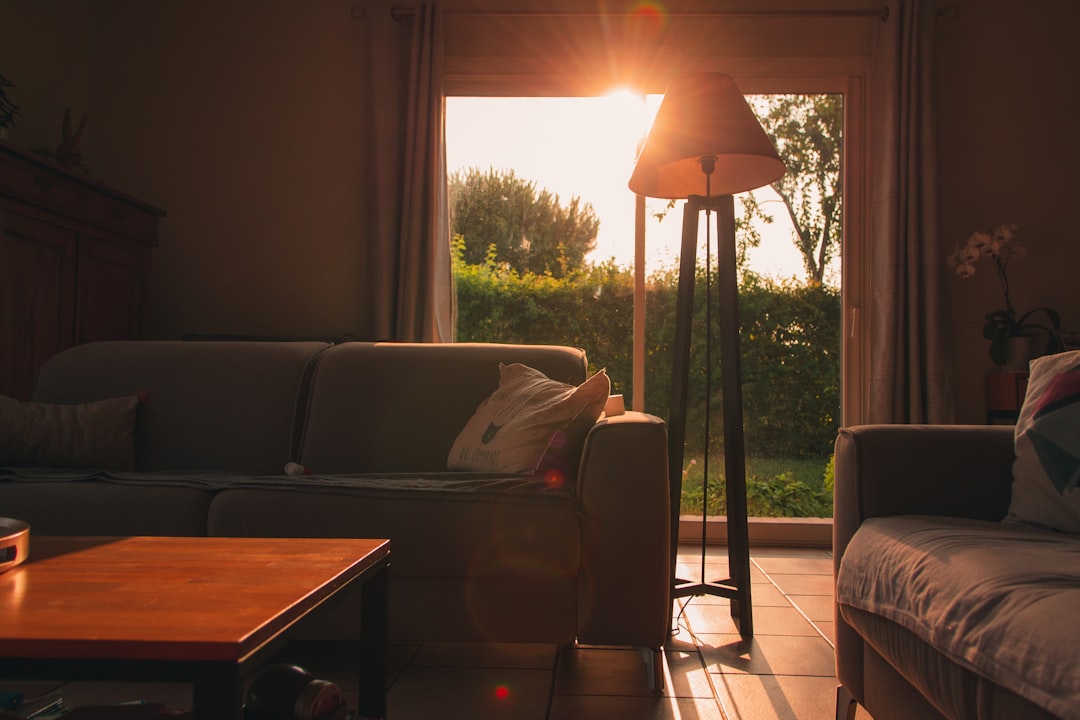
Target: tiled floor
<point>785,671</point>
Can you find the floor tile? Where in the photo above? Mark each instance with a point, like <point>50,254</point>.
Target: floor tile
<point>470,694</point>
<point>686,675</point>
<point>781,551</point>
<point>761,593</point>
<point>602,671</point>
<point>768,655</point>
<point>767,595</point>
<point>804,584</point>
<point>777,697</point>
<point>816,607</point>
<point>795,565</point>
<point>591,707</point>
<point>690,570</point>
<point>536,656</point>
<point>828,629</point>
<point>767,620</point>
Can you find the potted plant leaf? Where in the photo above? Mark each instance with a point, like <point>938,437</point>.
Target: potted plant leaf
<point>8,109</point>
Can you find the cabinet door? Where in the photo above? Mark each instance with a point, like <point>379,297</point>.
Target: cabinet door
<point>37,298</point>
<point>111,286</point>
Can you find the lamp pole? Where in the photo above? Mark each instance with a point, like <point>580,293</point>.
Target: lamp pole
<point>706,135</point>
<point>737,586</point>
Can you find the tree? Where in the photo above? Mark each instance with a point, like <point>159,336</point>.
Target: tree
<point>530,230</point>
<point>808,133</point>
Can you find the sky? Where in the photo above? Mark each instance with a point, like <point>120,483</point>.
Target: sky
<point>586,147</point>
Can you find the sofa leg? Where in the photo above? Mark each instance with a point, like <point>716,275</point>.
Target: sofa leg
<point>654,668</point>
<point>845,704</point>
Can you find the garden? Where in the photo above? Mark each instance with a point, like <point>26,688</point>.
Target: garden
<point>790,335</point>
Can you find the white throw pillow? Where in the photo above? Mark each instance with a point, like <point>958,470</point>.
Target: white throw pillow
<point>531,423</point>
<point>1047,445</point>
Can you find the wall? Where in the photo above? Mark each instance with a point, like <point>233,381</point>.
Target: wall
<point>1008,153</point>
<point>45,51</point>
<point>239,119</point>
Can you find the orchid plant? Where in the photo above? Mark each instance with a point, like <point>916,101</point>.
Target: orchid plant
<point>1001,247</point>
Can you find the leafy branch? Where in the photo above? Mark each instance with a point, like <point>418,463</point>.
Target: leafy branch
<point>8,109</point>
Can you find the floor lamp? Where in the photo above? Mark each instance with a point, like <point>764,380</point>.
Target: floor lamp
<point>705,145</point>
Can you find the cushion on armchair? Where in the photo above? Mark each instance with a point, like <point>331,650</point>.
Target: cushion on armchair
<point>1047,444</point>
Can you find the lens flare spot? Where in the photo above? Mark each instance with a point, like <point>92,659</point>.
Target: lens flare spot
<point>554,478</point>
<point>502,692</point>
<point>651,11</point>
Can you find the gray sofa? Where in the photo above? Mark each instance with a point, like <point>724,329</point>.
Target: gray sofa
<point>944,611</point>
<point>474,557</point>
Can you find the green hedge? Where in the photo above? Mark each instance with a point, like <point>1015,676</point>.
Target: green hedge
<point>790,341</point>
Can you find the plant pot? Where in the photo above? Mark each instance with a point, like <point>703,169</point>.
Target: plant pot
<point>1018,353</point>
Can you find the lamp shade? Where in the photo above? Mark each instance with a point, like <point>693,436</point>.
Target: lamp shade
<point>704,115</point>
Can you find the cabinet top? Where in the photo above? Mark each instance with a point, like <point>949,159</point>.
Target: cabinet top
<point>15,161</point>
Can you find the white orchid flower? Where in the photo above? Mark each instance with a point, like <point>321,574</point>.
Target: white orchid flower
<point>980,241</point>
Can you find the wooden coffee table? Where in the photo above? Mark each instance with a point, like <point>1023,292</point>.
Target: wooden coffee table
<point>208,611</point>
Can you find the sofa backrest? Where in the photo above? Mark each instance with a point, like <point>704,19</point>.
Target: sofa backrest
<point>397,407</point>
<point>213,406</point>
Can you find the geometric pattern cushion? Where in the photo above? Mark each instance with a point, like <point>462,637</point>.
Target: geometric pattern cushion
<point>1046,472</point>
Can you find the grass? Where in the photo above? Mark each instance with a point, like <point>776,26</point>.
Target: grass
<point>775,487</point>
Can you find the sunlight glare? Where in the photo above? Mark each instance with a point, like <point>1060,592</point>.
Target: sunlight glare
<point>625,102</point>
<point>587,146</point>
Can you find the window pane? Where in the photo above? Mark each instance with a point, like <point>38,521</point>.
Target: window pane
<point>528,172</point>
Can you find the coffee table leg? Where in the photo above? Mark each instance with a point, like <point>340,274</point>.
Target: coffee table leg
<point>373,621</point>
<point>218,694</point>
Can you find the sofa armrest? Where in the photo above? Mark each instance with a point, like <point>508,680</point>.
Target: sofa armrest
<point>881,470</point>
<point>953,470</point>
<point>623,586</point>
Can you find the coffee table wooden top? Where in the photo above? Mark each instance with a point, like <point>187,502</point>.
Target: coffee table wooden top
<point>164,598</point>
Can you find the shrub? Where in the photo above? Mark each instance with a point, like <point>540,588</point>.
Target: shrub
<point>790,355</point>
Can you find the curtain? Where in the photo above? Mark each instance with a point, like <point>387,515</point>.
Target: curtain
<point>407,284</point>
<point>910,376</point>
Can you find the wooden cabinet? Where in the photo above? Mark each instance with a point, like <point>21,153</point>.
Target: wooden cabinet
<point>74,264</point>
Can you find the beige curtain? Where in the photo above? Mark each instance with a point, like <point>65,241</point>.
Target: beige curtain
<point>408,288</point>
<point>910,369</point>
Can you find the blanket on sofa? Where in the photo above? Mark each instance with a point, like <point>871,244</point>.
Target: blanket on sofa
<point>461,485</point>
<point>998,598</point>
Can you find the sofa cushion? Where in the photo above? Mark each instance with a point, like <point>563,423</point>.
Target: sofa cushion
<point>397,407</point>
<point>79,504</point>
<point>898,663</point>
<point>215,406</point>
<point>96,434</point>
<point>529,423</point>
<point>996,598</point>
<point>440,524</point>
<point>1046,471</point>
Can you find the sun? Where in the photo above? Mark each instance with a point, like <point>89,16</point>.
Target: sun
<point>625,104</point>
